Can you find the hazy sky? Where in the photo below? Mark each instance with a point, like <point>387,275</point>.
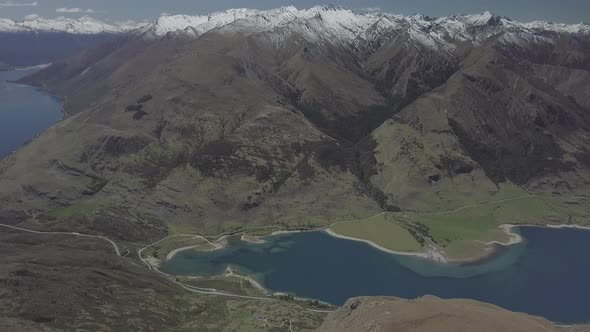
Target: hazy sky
<point>570,11</point>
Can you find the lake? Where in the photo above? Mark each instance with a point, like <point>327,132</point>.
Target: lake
<point>548,275</point>
<point>25,111</point>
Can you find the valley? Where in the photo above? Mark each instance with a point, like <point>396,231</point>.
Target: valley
<point>229,159</point>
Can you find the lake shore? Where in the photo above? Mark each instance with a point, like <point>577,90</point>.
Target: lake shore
<point>587,228</point>
<point>492,247</point>
<point>174,252</point>
<point>293,232</point>
<point>434,254</point>
<point>252,239</point>
<point>230,273</point>
<point>514,238</point>
<point>215,246</point>
<point>375,245</point>
<point>412,275</point>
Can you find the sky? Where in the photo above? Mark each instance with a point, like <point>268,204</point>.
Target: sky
<point>566,11</point>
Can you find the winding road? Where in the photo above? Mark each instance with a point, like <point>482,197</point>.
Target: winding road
<point>211,291</point>
<point>117,251</point>
<point>207,291</point>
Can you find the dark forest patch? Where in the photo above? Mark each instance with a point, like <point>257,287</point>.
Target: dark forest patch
<point>139,114</point>
<point>144,99</point>
<point>133,108</point>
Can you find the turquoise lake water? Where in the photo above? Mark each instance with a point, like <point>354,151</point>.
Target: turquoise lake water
<point>548,275</point>
<point>25,111</point>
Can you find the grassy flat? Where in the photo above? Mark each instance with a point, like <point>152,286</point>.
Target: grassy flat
<point>465,249</point>
<point>458,227</point>
<point>462,232</point>
<point>162,249</point>
<point>382,230</point>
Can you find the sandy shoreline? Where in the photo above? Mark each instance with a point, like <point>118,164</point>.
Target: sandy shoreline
<point>375,245</point>
<point>565,226</point>
<point>230,273</point>
<point>177,250</point>
<point>216,246</point>
<point>291,232</point>
<point>434,254</point>
<point>514,238</point>
<point>252,239</point>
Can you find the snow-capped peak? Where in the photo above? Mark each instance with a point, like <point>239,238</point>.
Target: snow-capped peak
<point>200,23</point>
<point>479,19</point>
<point>558,27</point>
<point>83,25</point>
<point>328,23</point>
<point>337,23</point>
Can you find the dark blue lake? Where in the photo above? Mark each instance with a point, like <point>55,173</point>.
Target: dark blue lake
<point>25,111</point>
<point>548,275</point>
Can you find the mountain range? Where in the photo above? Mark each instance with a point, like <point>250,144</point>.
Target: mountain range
<point>300,118</point>
<point>255,117</point>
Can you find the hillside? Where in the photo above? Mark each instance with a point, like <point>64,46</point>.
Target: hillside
<point>301,118</point>
<point>425,132</point>
<point>65,283</point>
<point>430,314</point>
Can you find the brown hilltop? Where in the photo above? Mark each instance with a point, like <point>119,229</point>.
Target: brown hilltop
<point>430,314</point>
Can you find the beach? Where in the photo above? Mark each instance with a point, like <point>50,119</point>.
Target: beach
<point>438,255</point>
<point>252,239</point>
<point>515,238</point>
<point>375,245</point>
<point>567,226</point>
<point>230,273</point>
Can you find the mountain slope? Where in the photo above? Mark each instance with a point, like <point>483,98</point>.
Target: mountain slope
<point>493,118</point>
<point>105,292</point>
<point>250,118</point>
<point>429,314</point>
<point>294,119</point>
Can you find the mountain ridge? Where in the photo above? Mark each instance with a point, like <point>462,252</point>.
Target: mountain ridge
<point>271,18</point>
<point>303,124</point>
<point>83,25</point>
<point>347,19</point>
<point>293,124</point>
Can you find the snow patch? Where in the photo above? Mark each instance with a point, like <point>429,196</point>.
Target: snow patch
<point>84,25</point>
<point>317,24</point>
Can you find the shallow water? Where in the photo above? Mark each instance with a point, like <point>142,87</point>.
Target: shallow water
<point>547,275</point>
<point>25,111</point>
